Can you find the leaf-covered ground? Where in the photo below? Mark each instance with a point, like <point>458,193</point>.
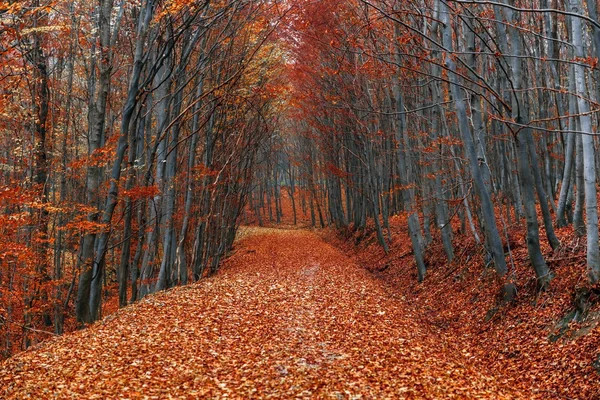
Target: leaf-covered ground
<point>289,316</point>
<point>459,301</point>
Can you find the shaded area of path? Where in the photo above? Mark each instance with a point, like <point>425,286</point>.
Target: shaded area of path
<point>289,316</point>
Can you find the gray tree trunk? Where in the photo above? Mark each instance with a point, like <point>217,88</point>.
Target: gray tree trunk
<point>579,192</point>
<point>487,207</point>
<point>589,163</point>
<point>113,192</point>
<point>406,177</point>
<point>524,152</point>
<point>98,91</point>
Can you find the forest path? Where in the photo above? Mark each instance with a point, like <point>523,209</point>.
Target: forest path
<point>289,316</point>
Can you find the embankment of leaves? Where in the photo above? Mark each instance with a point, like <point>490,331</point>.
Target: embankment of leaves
<point>546,341</point>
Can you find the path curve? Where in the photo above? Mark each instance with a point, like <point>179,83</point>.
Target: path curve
<point>289,316</point>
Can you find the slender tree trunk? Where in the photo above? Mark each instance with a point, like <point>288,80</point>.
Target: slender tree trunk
<point>98,92</point>
<point>541,193</point>
<point>95,290</point>
<point>405,175</point>
<point>589,165</point>
<point>490,227</point>
<point>566,181</point>
<point>578,222</point>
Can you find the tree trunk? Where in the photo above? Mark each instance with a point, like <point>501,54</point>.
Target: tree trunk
<point>589,165</point>
<point>489,218</point>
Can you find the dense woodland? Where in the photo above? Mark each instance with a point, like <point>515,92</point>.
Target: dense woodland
<point>136,136</point>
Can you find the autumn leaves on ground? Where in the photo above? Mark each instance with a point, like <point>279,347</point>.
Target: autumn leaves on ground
<point>289,316</point>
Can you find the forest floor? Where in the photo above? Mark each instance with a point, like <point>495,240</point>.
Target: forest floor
<point>288,316</point>
<point>546,342</point>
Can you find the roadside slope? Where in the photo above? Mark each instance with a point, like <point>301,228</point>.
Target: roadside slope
<point>288,316</point>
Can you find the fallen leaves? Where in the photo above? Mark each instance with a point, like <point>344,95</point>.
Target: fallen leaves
<point>457,304</point>
<point>293,319</point>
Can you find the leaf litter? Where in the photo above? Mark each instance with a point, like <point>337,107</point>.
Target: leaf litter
<point>288,316</point>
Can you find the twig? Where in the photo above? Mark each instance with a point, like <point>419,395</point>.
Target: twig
<point>566,258</point>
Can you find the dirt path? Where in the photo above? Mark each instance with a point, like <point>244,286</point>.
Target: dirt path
<point>289,316</point>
